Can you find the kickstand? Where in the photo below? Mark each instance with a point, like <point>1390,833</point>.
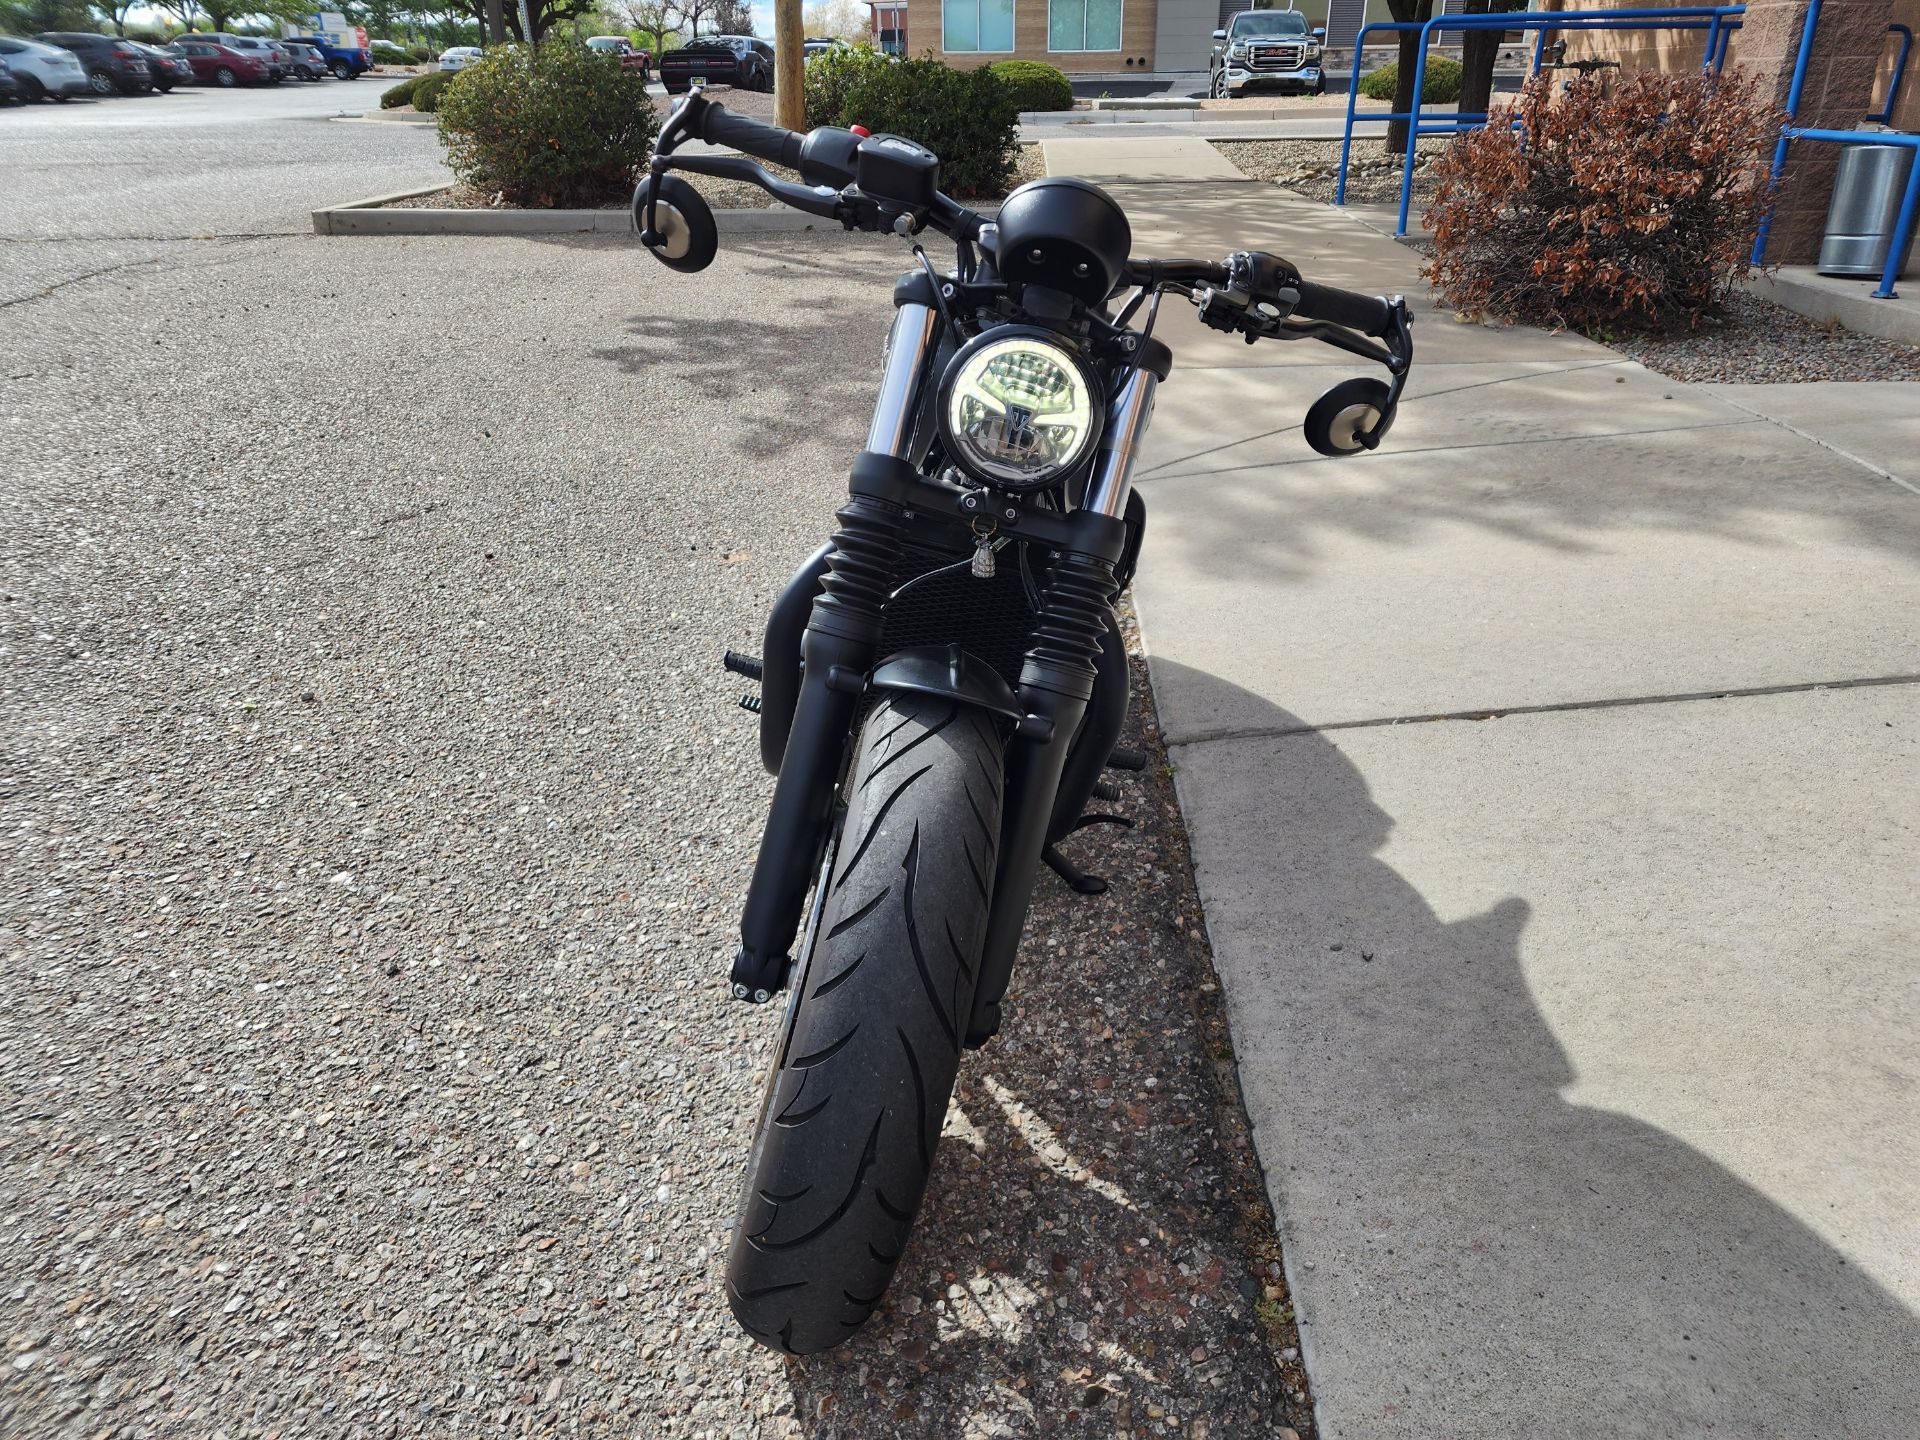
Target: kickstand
<point>1075,877</point>
<point>1071,873</point>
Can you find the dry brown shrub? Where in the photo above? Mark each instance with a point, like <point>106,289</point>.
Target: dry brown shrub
<point>1622,204</point>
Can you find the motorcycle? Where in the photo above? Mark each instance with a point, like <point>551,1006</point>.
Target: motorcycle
<point>943,681</point>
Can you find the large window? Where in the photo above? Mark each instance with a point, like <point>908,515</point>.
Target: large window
<point>1083,24</point>
<point>974,26</point>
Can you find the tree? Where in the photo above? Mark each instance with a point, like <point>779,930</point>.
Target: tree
<point>652,18</point>
<point>1478,50</point>
<point>1399,132</point>
<point>116,11</point>
<point>184,11</point>
<point>545,15</point>
<point>733,17</point>
<point>847,19</point>
<point>30,17</point>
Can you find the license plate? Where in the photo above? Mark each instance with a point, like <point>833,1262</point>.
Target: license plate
<point>696,79</point>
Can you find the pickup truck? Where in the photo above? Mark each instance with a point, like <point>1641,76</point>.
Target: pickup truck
<point>346,62</point>
<point>1266,49</point>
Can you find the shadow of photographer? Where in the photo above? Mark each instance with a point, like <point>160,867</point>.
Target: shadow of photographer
<point>1489,1259</point>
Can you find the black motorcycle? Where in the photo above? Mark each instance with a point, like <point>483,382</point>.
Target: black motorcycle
<point>943,681</point>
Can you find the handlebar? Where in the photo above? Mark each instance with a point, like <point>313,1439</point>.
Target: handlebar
<point>1369,314</point>
<point>777,146</point>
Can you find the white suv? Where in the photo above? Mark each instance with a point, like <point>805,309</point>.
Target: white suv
<point>44,71</point>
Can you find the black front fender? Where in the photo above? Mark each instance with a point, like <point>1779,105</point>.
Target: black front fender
<point>950,671</point>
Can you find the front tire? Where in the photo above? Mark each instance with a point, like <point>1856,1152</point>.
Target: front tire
<point>859,1086</point>
<point>225,78</point>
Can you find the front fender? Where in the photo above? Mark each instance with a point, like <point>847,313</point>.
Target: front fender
<point>950,671</point>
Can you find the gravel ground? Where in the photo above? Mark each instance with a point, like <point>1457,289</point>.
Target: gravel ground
<point>376,821</point>
<point>1758,342</point>
<point>1311,167</point>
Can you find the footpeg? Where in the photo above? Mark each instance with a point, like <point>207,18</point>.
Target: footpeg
<point>1123,758</point>
<point>747,665</point>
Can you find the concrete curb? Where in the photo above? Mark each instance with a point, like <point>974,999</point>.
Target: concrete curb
<point>1801,289</point>
<point>390,117</point>
<point>367,217</point>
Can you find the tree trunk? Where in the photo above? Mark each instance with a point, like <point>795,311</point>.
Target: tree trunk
<point>789,57</point>
<point>1399,132</point>
<point>1478,50</point>
<point>496,22</point>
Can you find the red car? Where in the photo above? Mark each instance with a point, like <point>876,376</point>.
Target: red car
<point>216,64</point>
<point>630,58</point>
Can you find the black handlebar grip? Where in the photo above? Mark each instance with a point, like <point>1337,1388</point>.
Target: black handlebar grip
<point>1368,314</point>
<point>720,126</point>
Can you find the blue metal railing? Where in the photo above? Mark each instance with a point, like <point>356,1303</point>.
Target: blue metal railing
<point>1885,117</point>
<point>1719,21</point>
<point>1909,204</point>
<point>1716,20</point>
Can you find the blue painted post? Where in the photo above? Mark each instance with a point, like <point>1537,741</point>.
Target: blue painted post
<point>1793,108</point>
<point>1902,232</point>
<point>1885,117</point>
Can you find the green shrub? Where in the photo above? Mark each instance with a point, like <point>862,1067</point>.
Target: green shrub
<point>427,88</point>
<point>401,94</point>
<point>552,126</point>
<point>830,78</point>
<point>1442,85</point>
<point>1035,85</point>
<point>966,117</point>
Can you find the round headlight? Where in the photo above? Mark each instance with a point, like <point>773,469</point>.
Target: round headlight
<point>1018,410</point>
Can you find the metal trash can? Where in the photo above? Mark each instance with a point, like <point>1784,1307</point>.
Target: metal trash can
<point>1865,209</point>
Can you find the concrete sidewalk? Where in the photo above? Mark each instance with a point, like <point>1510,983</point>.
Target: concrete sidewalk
<point>1579,1029</point>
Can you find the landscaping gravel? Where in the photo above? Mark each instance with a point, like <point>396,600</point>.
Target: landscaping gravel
<point>376,821</point>
<point>1758,342</point>
<point>1311,167</point>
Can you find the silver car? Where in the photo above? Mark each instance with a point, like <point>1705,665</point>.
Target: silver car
<point>459,57</point>
<point>45,72</point>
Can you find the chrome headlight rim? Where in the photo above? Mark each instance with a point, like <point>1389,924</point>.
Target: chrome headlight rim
<point>1070,357</point>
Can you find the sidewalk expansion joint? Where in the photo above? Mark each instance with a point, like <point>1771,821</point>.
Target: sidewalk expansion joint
<point>1281,732</point>
<point>1827,445</point>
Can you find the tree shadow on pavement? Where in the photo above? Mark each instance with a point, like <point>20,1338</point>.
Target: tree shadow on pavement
<point>1491,1259</point>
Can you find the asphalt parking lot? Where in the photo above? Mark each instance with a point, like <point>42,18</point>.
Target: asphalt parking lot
<point>375,822</point>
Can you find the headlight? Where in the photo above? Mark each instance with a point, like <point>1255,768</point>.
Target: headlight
<point>1018,410</point>
<point>1237,50</point>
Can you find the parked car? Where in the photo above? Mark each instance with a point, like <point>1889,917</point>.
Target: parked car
<point>816,47</point>
<point>217,64</point>
<point>43,72</point>
<point>1266,49</point>
<point>737,60</point>
<point>459,57</point>
<point>304,61</point>
<point>279,63</point>
<point>168,69</point>
<point>630,57</point>
<point>9,87</point>
<point>346,62</point>
<point>113,66</point>
<point>390,52</point>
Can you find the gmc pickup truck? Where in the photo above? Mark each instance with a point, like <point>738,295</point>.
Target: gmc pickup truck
<point>1266,49</point>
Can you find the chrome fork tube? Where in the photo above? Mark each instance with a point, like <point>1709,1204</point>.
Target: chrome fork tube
<point>910,347</point>
<point>1127,420</point>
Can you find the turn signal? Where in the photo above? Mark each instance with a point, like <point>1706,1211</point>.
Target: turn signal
<point>862,131</point>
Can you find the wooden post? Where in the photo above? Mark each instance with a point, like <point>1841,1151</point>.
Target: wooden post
<point>789,64</point>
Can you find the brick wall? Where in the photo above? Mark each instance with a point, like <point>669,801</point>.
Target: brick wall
<point>1850,60</point>
<point>1030,39</point>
